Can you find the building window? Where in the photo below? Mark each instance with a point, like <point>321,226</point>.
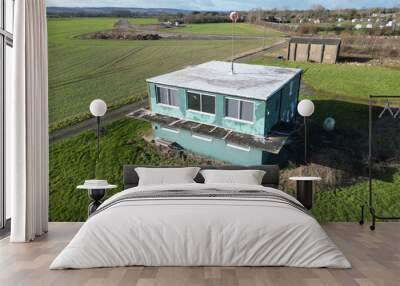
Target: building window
<point>239,109</point>
<point>193,101</point>
<point>201,102</point>
<point>167,96</point>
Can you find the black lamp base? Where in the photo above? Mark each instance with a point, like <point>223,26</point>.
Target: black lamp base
<point>96,195</point>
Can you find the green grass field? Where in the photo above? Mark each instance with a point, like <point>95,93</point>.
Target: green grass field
<point>344,80</point>
<point>341,91</point>
<point>82,70</point>
<point>72,161</point>
<point>240,29</point>
<point>143,21</point>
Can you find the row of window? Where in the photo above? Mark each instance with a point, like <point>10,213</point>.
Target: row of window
<point>234,108</point>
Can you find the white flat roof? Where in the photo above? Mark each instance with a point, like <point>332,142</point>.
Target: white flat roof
<point>250,81</point>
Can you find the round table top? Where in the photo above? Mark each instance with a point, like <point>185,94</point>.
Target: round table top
<point>89,187</point>
<point>305,178</point>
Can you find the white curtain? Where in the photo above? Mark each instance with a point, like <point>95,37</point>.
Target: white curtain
<point>27,124</point>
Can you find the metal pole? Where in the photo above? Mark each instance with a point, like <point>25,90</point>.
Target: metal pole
<point>305,140</point>
<point>370,153</point>
<point>98,137</point>
<point>233,40</point>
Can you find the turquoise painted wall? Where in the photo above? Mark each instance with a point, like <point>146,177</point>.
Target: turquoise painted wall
<point>282,106</point>
<point>255,128</point>
<point>214,149</point>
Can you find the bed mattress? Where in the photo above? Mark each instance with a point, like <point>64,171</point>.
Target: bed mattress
<point>201,225</point>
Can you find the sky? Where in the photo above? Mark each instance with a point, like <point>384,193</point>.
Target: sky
<point>225,5</point>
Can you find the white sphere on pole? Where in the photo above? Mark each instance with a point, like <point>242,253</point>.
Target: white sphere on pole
<point>234,16</point>
<point>306,108</point>
<point>98,107</point>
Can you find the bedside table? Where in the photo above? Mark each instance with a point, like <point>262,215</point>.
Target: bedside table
<point>96,191</point>
<point>304,192</point>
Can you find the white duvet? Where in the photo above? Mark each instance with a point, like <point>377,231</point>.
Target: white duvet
<point>200,231</point>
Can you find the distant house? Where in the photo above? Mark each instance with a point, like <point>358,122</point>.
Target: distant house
<point>319,50</point>
<point>209,111</point>
<point>271,19</point>
<point>179,23</point>
<point>358,27</point>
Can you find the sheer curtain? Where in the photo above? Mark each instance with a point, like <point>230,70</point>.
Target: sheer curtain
<point>27,124</point>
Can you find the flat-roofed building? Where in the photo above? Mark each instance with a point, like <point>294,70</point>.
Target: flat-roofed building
<point>208,110</point>
<point>318,50</point>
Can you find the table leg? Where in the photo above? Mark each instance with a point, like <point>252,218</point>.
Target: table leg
<point>305,193</point>
<point>96,196</point>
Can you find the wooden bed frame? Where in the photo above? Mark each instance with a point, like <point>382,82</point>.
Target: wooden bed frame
<point>271,177</point>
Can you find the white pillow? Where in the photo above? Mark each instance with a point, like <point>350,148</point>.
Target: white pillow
<point>166,176</point>
<point>246,177</point>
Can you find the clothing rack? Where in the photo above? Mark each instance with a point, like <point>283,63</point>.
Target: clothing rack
<point>387,108</point>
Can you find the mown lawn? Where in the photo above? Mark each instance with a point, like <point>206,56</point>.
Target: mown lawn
<point>240,29</point>
<point>345,80</point>
<point>81,70</point>
<point>344,204</point>
<point>72,161</point>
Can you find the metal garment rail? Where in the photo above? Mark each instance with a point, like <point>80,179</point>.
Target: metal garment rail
<point>369,204</point>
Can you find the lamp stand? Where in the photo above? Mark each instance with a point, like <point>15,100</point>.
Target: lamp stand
<point>305,140</point>
<point>98,137</point>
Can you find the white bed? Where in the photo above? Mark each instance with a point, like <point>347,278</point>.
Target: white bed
<point>201,231</point>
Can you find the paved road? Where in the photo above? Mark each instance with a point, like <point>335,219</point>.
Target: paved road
<point>91,123</point>
<point>254,54</point>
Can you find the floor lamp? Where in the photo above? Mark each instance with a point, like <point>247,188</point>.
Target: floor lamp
<point>305,108</point>
<point>98,108</point>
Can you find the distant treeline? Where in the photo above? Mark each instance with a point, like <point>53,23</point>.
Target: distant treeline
<point>111,12</point>
<point>121,14</point>
<point>164,15</point>
<point>317,12</point>
<point>197,17</point>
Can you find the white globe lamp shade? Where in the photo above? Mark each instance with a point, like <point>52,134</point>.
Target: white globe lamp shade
<point>305,108</point>
<point>234,16</point>
<point>98,107</point>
